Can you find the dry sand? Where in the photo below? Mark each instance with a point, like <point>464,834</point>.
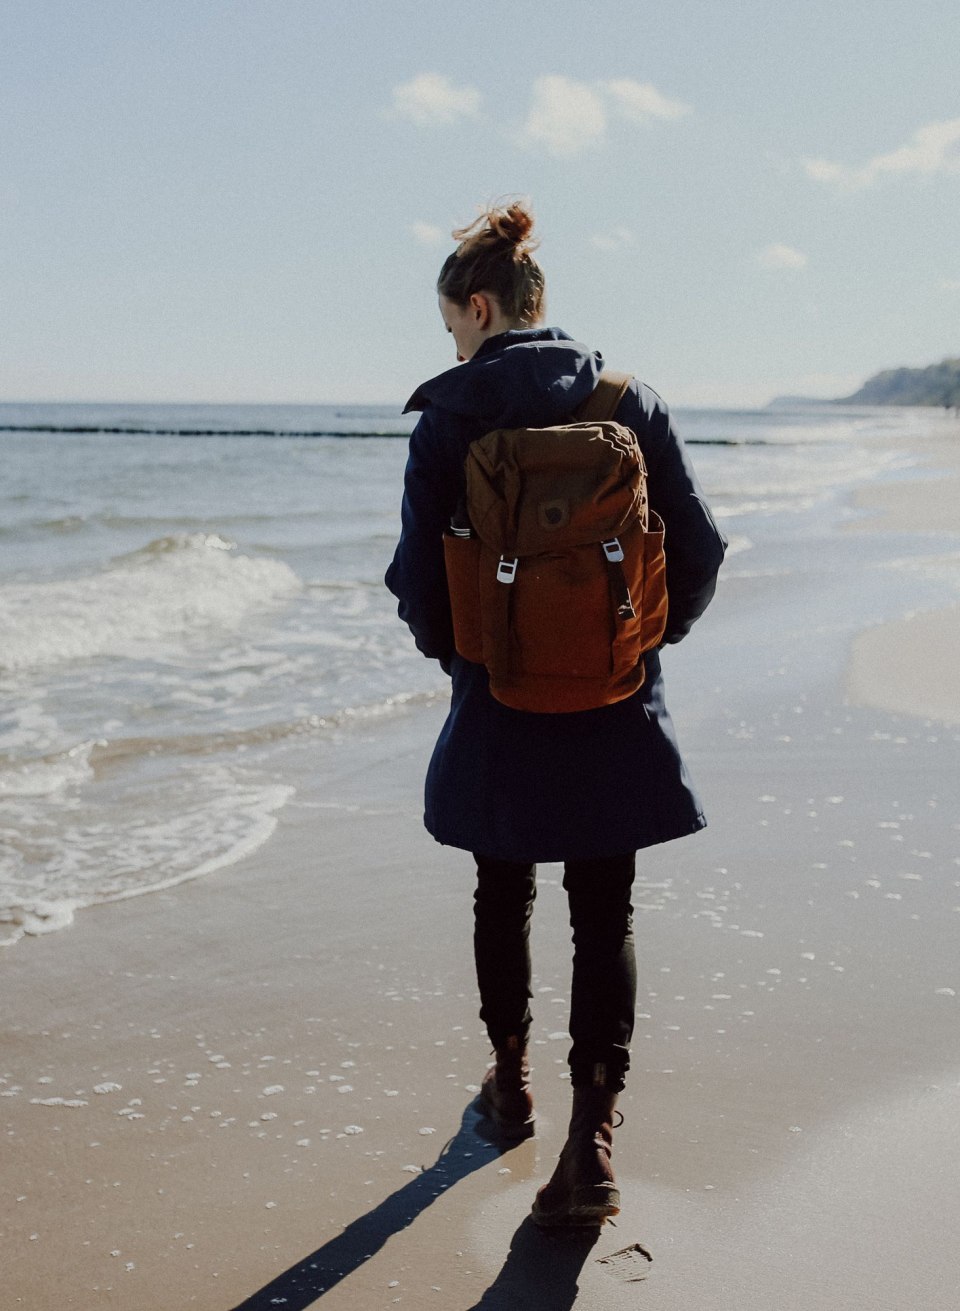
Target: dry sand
<point>921,651</point>
<point>255,1090</point>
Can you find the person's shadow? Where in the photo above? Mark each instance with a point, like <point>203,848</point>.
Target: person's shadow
<point>540,1272</point>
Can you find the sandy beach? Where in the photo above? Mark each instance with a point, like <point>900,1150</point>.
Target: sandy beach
<point>255,1089</point>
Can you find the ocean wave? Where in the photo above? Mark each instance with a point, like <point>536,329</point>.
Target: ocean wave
<point>69,523</point>
<point>45,775</point>
<point>737,543</point>
<point>106,820</point>
<point>181,827</point>
<point>49,773</point>
<point>173,524</point>
<point>789,480</point>
<point>165,594</point>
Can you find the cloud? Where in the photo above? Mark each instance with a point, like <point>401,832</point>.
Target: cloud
<point>567,117</point>
<point>933,148</point>
<point>428,234</point>
<point>639,101</point>
<point>779,256</point>
<point>822,170</point>
<point>612,239</point>
<point>430,99</point>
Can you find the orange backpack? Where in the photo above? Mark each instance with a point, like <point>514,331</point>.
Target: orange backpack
<point>556,568</point>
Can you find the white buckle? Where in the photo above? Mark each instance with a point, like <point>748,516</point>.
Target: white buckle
<point>507,569</point>
<point>613,550</point>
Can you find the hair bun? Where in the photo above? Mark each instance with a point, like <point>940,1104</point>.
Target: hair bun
<point>509,223</point>
<point>513,224</point>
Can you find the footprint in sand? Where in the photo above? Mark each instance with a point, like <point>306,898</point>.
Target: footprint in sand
<point>629,1265</point>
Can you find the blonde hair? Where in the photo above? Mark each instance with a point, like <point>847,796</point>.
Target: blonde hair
<point>494,256</point>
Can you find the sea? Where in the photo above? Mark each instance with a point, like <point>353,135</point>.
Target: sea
<point>192,601</point>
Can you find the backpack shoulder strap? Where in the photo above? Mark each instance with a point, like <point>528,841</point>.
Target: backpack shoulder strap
<point>602,402</point>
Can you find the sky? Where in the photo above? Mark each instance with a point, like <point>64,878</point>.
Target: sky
<point>249,201</point>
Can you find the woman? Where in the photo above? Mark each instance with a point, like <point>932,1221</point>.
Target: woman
<point>587,788</point>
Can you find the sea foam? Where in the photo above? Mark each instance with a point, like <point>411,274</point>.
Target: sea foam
<point>160,596</point>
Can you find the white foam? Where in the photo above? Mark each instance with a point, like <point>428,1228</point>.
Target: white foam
<point>46,775</point>
<point>35,916</point>
<point>26,724</point>
<point>792,479</point>
<point>737,544</point>
<point>196,821</point>
<point>166,595</point>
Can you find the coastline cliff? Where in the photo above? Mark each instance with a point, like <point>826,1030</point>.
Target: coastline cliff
<point>938,384</point>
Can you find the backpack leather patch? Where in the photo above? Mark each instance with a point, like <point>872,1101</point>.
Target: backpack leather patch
<point>553,514</point>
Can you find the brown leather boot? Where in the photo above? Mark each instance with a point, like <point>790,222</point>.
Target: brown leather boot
<point>505,1092</point>
<point>582,1189</point>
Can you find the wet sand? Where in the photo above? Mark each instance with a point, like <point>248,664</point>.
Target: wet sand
<point>286,1051</point>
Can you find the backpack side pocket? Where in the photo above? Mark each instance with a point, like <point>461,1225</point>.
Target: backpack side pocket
<point>654,601</point>
<point>462,558</point>
<point>644,569</point>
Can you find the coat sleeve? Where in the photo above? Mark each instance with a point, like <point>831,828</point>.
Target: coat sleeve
<point>693,544</point>
<point>417,575</point>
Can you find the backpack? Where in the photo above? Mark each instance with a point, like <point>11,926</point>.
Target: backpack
<point>555,562</point>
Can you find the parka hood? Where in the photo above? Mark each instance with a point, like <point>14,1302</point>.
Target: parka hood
<point>519,378</point>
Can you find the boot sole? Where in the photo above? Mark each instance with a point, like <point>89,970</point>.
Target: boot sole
<point>588,1206</point>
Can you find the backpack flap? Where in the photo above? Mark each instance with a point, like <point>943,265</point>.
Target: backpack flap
<point>531,490</point>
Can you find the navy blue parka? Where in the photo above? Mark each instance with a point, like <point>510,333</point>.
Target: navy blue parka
<point>511,784</point>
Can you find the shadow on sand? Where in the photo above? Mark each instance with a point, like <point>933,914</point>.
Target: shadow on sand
<point>540,1272</point>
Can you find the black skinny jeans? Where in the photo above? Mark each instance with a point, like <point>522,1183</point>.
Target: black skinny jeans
<point>604,992</point>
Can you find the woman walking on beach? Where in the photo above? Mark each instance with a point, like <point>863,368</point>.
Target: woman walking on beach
<point>514,787</point>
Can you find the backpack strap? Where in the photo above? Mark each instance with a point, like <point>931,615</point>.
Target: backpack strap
<point>601,405</point>
<point>606,396</point>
